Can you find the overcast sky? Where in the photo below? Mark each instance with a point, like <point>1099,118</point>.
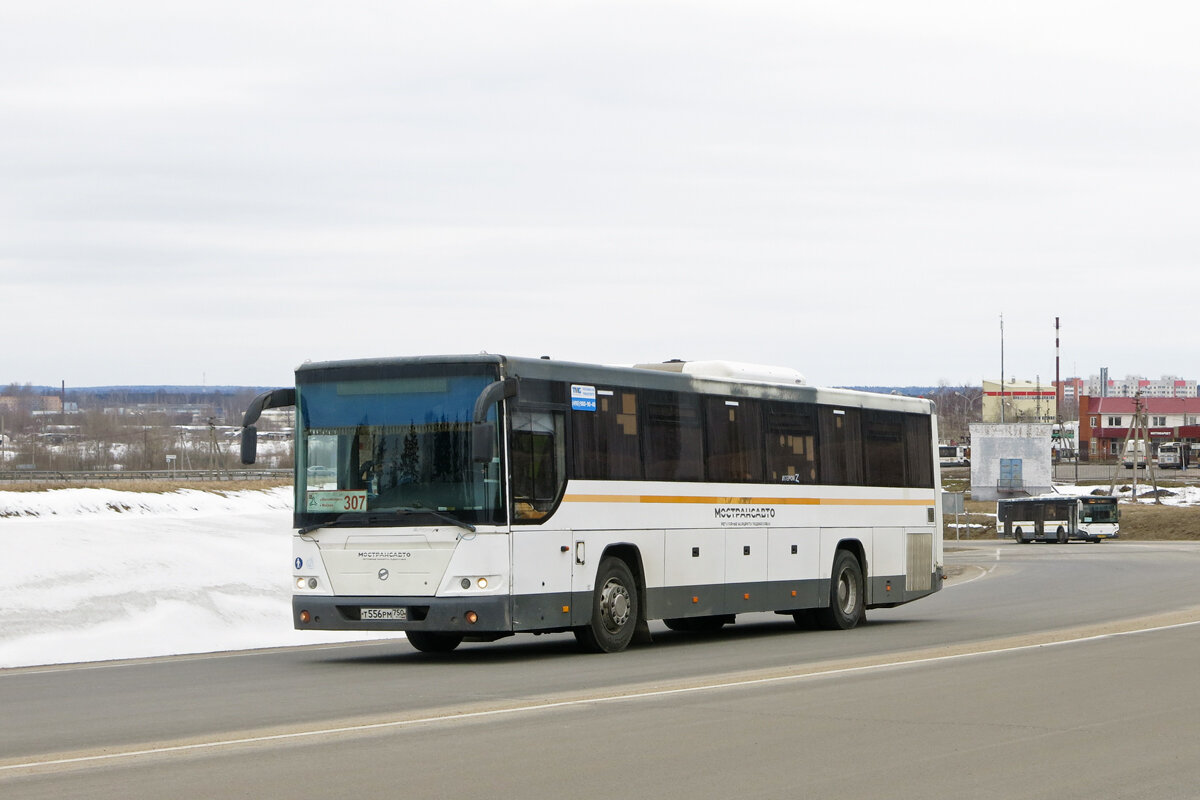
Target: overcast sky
<point>216,192</point>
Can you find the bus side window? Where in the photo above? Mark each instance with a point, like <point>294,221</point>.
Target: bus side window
<point>674,442</point>
<point>841,446</point>
<point>791,444</point>
<point>735,441</point>
<point>605,442</point>
<point>918,439</point>
<point>883,445</point>
<point>538,463</point>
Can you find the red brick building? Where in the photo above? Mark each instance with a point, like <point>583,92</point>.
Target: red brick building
<point>1104,422</point>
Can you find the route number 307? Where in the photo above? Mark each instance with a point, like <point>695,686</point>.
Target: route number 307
<point>354,502</point>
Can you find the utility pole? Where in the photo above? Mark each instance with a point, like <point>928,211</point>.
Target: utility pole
<point>214,450</point>
<point>1139,433</point>
<point>1001,368</point>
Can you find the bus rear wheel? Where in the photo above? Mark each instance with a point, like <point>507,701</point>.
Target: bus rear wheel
<point>615,609</point>
<point>847,599</point>
<point>429,642</point>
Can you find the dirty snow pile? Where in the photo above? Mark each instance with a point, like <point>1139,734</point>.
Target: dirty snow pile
<point>96,574</point>
<point>1174,496</point>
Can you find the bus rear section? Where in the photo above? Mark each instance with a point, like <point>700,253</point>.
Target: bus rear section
<point>1136,452</point>
<point>1035,519</point>
<point>954,455</point>
<point>1178,455</point>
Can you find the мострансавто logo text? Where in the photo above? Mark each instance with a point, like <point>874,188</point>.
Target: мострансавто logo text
<point>744,512</point>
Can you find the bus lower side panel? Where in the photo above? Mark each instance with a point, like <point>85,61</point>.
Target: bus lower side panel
<point>558,611</point>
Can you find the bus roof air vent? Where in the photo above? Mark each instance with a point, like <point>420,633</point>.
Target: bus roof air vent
<point>733,371</point>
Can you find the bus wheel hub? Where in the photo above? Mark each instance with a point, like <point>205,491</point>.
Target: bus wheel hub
<point>614,605</point>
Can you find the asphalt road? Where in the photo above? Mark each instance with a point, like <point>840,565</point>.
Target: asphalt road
<point>1041,671</point>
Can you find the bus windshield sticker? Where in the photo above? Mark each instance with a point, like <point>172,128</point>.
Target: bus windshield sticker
<point>583,398</point>
<point>335,501</point>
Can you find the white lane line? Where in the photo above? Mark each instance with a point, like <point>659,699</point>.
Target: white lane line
<point>980,573</point>
<point>647,695</point>
<point>983,573</point>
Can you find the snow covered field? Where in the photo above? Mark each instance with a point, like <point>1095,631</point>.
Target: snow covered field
<point>97,574</point>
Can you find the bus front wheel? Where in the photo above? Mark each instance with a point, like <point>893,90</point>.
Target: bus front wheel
<point>847,599</point>
<point>615,609</point>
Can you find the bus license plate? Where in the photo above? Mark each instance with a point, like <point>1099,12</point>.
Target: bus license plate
<point>382,613</point>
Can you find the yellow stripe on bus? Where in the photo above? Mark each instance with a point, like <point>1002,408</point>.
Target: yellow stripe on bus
<point>737,501</point>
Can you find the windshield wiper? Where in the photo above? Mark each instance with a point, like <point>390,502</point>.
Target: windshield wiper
<point>437,514</point>
<point>364,520</point>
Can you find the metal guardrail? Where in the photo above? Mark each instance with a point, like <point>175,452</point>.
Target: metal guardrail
<point>83,476</point>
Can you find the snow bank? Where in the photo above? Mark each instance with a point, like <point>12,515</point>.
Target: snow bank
<point>1175,496</point>
<point>96,574</point>
<point>183,502</point>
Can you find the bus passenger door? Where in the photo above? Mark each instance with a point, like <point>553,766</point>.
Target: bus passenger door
<point>541,551</point>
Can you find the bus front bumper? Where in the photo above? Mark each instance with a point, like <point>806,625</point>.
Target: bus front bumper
<point>491,614</point>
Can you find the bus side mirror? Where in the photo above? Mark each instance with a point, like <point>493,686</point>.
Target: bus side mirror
<point>483,433</point>
<point>483,442</point>
<point>249,444</point>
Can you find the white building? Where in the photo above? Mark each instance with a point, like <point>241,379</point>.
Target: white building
<point>1166,386</point>
<point>1010,460</point>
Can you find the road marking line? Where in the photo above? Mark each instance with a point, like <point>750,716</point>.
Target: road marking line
<point>536,707</point>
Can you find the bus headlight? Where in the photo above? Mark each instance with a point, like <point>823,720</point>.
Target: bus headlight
<point>306,583</point>
<point>474,582</point>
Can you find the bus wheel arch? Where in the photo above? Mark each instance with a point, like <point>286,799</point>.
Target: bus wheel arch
<point>618,602</point>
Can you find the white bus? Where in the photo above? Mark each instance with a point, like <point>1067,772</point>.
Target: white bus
<point>1059,518</point>
<point>473,497</point>
<point>1135,454</point>
<point>1178,455</point>
<point>954,455</point>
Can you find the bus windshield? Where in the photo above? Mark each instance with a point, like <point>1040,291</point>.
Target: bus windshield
<point>393,445</point>
<point>1099,511</point>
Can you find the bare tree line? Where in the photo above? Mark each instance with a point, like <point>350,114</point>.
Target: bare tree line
<point>132,430</point>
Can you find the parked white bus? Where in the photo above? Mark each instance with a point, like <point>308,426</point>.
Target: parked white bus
<point>1136,451</point>
<point>954,455</point>
<point>1178,455</point>
<point>473,497</point>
